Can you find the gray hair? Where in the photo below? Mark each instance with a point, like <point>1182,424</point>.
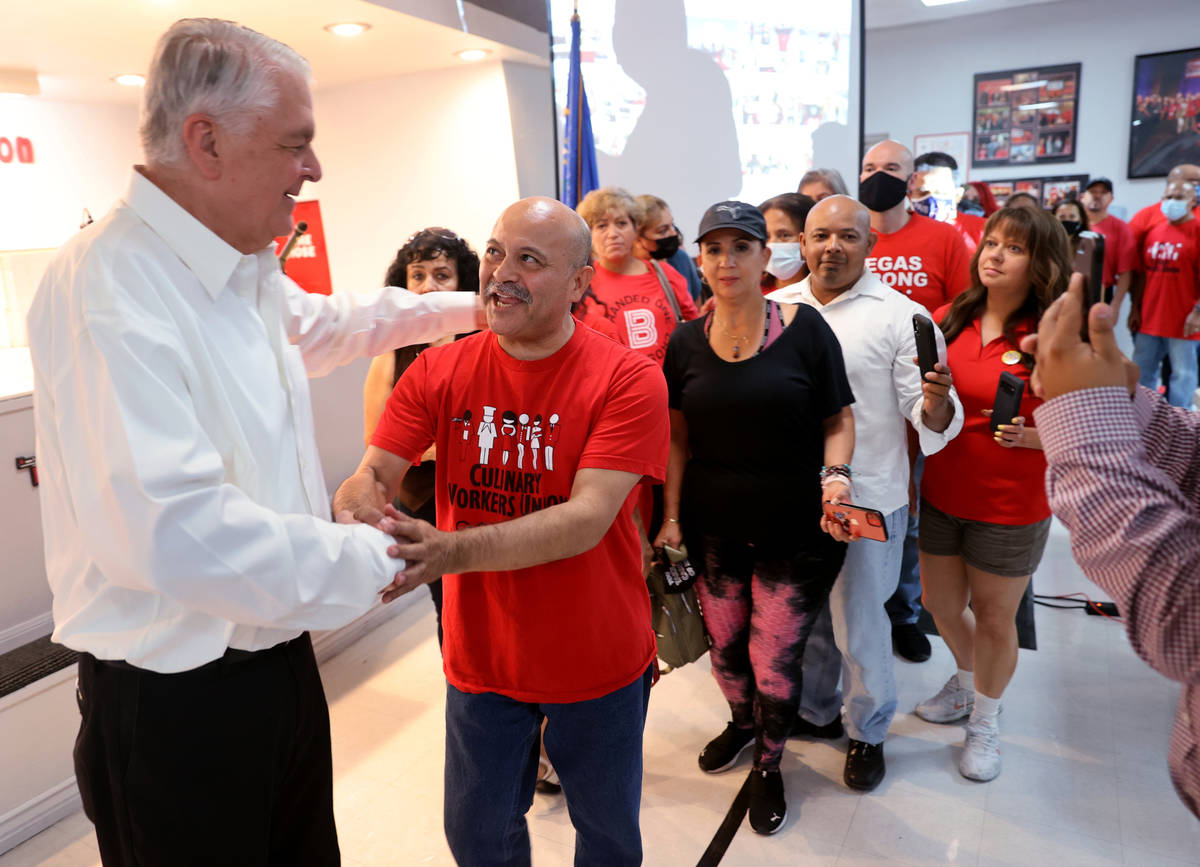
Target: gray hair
<point>214,67</point>
<point>831,178</point>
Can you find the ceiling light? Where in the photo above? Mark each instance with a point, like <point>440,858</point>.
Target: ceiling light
<point>471,55</point>
<point>348,28</point>
<point>130,79</point>
<point>941,2</point>
<point>19,81</point>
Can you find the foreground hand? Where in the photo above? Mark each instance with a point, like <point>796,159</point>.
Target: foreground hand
<point>1065,362</point>
<point>426,552</point>
<point>848,532</point>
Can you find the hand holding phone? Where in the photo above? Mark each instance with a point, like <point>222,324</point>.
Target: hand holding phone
<point>858,522</point>
<point>1089,261</point>
<point>1007,405</point>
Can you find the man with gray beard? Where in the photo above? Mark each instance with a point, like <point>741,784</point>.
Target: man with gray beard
<point>546,610</point>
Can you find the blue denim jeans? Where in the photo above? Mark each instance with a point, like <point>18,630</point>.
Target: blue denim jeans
<point>1148,352</point>
<point>905,604</point>
<point>491,768</point>
<point>852,639</point>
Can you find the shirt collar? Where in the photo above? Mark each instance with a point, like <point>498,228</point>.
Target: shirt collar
<point>868,284</point>
<point>199,248</point>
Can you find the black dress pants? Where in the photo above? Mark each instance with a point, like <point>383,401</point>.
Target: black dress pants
<point>226,764</point>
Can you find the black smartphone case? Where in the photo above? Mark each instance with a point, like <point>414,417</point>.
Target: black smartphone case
<point>927,353</point>
<point>1007,405</point>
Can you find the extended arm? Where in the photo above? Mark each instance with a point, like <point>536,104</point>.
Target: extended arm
<point>555,533</point>
<point>671,533</point>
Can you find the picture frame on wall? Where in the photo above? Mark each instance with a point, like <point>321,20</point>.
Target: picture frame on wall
<point>1025,117</point>
<point>1049,191</point>
<point>956,144</point>
<point>1164,126</point>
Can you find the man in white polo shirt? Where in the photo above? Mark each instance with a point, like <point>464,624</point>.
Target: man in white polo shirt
<point>873,324</point>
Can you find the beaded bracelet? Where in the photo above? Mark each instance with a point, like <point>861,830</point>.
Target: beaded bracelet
<point>836,470</point>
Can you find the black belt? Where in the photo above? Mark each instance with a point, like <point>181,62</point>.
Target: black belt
<point>231,656</point>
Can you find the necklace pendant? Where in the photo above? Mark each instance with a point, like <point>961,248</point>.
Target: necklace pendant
<point>737,351</point>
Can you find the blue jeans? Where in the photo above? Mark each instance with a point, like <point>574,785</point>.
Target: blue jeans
<point>491,768</point>
<point>1148,352</point>
<point>905,604</point>
<point>853,639</point>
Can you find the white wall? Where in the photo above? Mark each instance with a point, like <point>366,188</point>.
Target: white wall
<point>82,157</point>
<point>431,149</point>
<point>920,78</point>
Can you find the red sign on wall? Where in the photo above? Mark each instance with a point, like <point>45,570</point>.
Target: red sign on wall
<point>308,263</point>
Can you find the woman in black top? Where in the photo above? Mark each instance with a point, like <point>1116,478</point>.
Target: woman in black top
<point>758,412</point>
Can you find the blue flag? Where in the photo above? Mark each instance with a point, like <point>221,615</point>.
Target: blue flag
<point>579,157</point>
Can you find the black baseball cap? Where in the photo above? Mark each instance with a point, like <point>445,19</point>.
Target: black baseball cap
<point>733,215</point>
<point>1104,182</point>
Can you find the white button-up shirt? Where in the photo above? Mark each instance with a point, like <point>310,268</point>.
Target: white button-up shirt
<point>183,503</point>
<point>873,323</point>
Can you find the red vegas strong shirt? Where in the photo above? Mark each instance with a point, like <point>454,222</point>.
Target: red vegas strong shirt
<point>510,437</point>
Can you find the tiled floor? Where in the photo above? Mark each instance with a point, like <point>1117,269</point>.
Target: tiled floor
<point>1084,731</point>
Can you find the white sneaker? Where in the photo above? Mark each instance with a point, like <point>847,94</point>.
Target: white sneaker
<point>981,751</point>
<point>950,705</point>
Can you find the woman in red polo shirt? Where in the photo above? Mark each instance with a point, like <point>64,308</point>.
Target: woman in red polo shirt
<point>984,515</point>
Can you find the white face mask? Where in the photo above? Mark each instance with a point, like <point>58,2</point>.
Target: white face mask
<point>786,260</point>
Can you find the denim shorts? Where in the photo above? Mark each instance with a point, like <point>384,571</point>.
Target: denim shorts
<point>1008,550</point>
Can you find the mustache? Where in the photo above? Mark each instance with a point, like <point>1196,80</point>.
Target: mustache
<point>512,290</point>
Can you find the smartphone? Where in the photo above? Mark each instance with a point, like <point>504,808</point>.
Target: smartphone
<point>1089,261</point>
<point>1007,405</point>
<point>927,351</point>
<point>870,521</point>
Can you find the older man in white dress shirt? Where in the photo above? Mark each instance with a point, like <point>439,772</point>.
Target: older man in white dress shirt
<point>187,532</point>
<point>873,324</point>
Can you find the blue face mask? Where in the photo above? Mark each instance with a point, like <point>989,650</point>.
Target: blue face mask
<point>934,207</point>
<point>1174,209</point>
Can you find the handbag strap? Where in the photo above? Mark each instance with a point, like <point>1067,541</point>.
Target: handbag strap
<point>667,290</point>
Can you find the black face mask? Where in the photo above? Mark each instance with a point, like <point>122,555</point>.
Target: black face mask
<point>882,192</point>
<point>665,248</point>
<point>1073,227</point>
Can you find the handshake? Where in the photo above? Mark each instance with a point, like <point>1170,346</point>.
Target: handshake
<point>425,552</point>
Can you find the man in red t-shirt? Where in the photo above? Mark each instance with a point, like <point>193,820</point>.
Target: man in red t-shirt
<point>927,261</point>
<point>1145,220</point>
<point>1120,250</point>
<point>1171,298</point>
<point>546,612</point>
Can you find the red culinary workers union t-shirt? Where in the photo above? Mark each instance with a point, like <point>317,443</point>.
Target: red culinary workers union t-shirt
<point>925,260</point>
<point>1171,260</point>
<point>1146,219</point>
<point>974,477</point>
<point>636,305</point>
<point>1120,251</point>
<point>510,437</point>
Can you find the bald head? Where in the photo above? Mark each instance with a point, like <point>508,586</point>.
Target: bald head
<point>837,239</point>
<point>1184,173</point>
<point>535,266</point>
<point>553,218</point>
<point>889,156</point>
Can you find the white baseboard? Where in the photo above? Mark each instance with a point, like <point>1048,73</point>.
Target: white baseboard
<point>38,814</point>
<point>23,633</point>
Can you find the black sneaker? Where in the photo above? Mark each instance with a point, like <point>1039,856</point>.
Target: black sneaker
<point>830,731</point>
<point>910,642</point>
<point>864,765</point>
<point>768,806</point>
<point>723,751</point>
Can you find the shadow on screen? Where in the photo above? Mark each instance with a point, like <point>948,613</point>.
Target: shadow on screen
<point>684,147</point>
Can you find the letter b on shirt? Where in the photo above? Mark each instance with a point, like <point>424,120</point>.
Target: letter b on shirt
<point>641,328</point>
